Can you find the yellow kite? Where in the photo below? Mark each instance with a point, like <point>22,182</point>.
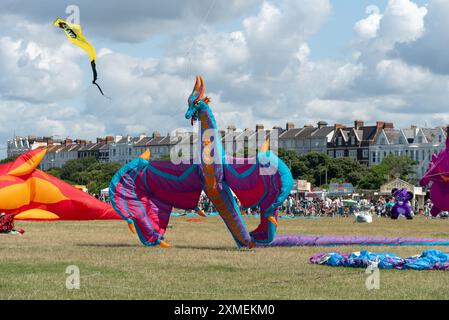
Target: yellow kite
<point>75,35</point>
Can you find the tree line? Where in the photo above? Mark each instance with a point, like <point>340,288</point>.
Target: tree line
<point>320,168</point>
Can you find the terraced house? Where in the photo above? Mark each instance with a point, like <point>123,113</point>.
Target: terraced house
<point>417,143</point>
<point>306,139</point>
<point>354,142</point>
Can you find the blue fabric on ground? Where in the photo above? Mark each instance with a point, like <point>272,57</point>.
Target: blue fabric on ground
<point>430,259</point>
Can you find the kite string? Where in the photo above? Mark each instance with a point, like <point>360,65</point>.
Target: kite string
<point>189,51</point>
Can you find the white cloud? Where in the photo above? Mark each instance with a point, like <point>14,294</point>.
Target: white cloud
<point>431,49</point>
<point>261,71</point>
<point>367,28</point>
<point>33,72</point>
<point>403,21</point>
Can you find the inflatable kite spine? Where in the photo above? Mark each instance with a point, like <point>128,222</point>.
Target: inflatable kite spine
<point>329,241</point>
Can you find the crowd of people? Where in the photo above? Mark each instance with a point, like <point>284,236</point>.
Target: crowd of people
<point>301,206</point>
<point>336,206</point>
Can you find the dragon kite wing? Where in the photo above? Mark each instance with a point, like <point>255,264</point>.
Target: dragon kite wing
<point>265,182</point>
<point>75,35</point>
<point>144,192</point>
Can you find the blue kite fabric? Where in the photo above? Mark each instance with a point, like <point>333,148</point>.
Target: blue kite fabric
<point>430,259</point>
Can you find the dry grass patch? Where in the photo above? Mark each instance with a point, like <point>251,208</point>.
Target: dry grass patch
<point>204,263</point>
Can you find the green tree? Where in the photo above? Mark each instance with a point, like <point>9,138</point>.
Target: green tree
<point>291,159</point>
<point>346,170</point>
<point>9,159</point>
<point>87,171</point>
<point>56,172</point>
<point>73,170</point>
<point>390,168</point>
<point>397,167</point>
<point>315,167</point>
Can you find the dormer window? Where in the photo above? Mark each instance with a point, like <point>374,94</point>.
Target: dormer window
<point>340,141</point>
<point>352,140</point>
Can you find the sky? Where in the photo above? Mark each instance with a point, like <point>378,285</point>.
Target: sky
<point>265,62</point>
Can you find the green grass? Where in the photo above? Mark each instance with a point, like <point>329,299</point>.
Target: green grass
<point>204,263</point>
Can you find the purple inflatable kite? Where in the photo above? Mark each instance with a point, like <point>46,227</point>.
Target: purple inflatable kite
<point>402,206</point>
<point>438,174</point>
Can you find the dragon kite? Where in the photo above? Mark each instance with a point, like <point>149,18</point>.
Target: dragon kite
<point>144,192</point>
<point>31,194</point>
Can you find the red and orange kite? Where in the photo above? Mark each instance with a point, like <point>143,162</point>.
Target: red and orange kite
<point>31,194</point>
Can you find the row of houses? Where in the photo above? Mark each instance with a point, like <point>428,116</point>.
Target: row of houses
<point>368,144</point>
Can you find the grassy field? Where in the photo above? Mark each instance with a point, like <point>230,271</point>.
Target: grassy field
<point>204,263</point>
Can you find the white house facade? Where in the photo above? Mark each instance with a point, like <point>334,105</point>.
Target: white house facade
<point>417,143</point>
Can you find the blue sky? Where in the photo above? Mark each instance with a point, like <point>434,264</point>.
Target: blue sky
<point>263,61</point>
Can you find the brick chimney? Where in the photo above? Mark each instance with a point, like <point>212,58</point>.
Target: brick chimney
<point>322,124</point>
<point>81,142</point>
<point>48,140</point>
<point>380,124</point>
<point>358,124</point>
<point>156,135</point>
<point>231,128</point>
<point>67,142</point>
<point>109,139</point>
<point>290,125</point>
<point>388,125</point>
<point>339,126</point>
<point>259,127</point>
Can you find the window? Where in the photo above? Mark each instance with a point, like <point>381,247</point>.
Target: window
<point>340,154</point>
<point>365,153</point>
<point>440,138</point>
<point>353,154</point>
<point>401,140</point>
<point>339,141</point>
<point>373,155</point>
<point>352,140</point>
<point>420,139</point>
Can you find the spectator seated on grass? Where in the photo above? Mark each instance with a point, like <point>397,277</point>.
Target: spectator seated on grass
<point>7,225</point>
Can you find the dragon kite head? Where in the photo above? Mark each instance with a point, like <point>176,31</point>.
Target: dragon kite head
<point>196,100</point>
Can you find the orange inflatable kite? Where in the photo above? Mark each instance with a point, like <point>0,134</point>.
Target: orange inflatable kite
<point>31,194</point>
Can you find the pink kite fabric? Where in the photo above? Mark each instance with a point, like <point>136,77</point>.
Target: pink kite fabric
<point>329,241</point>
